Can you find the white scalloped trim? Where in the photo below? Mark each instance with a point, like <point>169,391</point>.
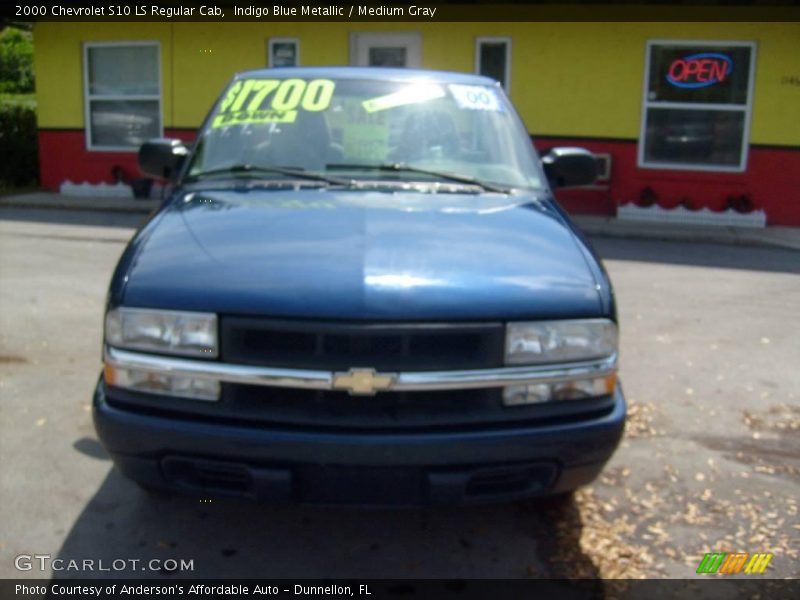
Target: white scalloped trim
<point>98,190</point>
<point>680,214</point>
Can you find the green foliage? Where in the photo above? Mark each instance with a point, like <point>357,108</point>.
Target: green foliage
<point>28,100</point>
<point>16,61</point>
<point>19,163</point>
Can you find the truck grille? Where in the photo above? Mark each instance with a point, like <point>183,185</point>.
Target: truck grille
<point>445,410</point>
<point>340,346</point>
<point>386,410</point>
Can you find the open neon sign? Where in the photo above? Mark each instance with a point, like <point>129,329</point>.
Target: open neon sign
<point>700,70</point>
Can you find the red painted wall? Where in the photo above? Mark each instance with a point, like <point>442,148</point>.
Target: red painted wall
<point>772,182</point>
<point>772,179</point>
<point>63,156</point>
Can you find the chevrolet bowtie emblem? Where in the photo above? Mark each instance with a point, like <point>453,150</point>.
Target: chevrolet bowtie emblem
<point>362,382</point>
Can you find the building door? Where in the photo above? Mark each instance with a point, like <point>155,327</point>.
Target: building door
<point>386,49</point>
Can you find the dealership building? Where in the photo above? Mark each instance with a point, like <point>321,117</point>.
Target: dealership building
<point>691,122</point>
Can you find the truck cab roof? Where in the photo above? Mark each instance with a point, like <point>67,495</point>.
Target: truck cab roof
<point>388,74</point>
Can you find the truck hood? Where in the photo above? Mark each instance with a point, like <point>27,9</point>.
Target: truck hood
<point>361,255</point>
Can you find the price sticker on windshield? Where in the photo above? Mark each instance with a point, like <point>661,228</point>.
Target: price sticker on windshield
<point>272,100</point>
<point>476,97</point>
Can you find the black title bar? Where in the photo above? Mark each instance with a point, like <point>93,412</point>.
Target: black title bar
<point>390,10</point>
<point>479,589</point>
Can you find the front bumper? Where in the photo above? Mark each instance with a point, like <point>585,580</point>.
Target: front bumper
<point>285,465</point>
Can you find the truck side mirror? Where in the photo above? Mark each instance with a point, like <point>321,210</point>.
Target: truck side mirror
<point>162,157</point>
<point>570,167</point>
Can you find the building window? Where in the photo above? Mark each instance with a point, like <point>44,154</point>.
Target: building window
<point>493,59</point>
<point>696,106</point>
<point>386,49</point>
<point>122,88</point>
<point>283,52</point>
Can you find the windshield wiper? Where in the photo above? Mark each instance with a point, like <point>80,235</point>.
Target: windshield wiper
<point>257,170</point>
<point>405,167</point>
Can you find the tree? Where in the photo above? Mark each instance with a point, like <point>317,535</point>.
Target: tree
<point>16,61</point>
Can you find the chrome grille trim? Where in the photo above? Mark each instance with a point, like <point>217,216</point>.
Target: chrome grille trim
<point>324,380</point>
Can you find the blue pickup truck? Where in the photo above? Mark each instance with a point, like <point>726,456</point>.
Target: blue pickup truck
<point>361,290</point>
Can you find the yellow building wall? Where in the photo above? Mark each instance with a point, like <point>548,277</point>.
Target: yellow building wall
<point>567,79</point>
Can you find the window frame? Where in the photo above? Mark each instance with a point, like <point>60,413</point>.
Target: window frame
<point>88,98</point>
<point>494,40</point>
<point>283,40</point>
<point>747,108</point>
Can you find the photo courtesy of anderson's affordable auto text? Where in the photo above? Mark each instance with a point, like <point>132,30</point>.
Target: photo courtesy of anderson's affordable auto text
<point>188,589</point>
<point>367,300</point>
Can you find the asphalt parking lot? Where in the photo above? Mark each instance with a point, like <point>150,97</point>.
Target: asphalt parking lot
<point>710,462</point>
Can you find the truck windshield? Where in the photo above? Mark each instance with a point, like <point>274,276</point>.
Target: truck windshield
<point>354,128</point>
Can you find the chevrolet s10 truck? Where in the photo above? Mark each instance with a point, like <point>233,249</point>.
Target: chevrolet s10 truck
<point>360,290</point>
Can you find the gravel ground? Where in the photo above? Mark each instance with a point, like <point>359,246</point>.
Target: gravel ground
<point>710,460</point>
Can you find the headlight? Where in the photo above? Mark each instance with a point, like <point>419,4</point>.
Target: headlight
<point>539,342</point>
<point>537,393</point>
<point>159,383</point>
<point>166,331</point>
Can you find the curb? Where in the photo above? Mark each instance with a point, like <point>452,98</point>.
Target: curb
<point>96,205</point>
<point>692,233</point>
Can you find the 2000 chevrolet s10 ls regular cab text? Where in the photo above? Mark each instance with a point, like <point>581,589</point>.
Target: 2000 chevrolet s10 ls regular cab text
<point>361,291</point>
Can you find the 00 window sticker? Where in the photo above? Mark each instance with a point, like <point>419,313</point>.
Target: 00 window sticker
<point>475,97</point>
<point>272,100</point>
